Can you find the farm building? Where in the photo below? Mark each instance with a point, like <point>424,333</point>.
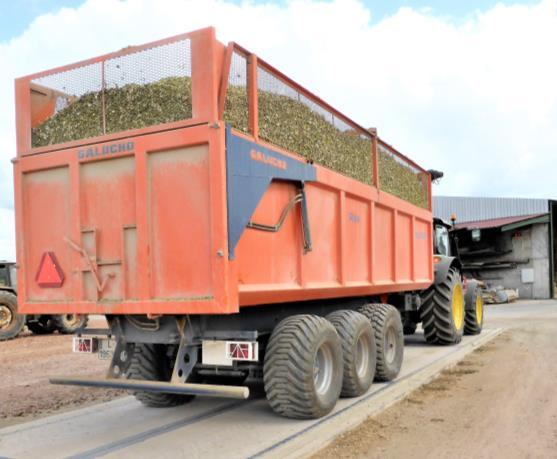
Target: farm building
<point>508,242</point>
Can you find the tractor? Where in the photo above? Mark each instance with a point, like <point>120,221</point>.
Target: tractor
<point>453,305</point>
<point>12,323</point>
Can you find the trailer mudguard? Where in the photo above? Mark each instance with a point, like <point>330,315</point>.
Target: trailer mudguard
<point>441,268</point>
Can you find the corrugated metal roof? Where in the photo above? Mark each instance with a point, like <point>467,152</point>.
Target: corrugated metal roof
<point>477,209</point>
<point>496,222</point>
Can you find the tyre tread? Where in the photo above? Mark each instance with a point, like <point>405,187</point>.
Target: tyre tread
<point>436,312</point>
<point>289,357</point>
<point>146,365</point>
<point>378,314</point>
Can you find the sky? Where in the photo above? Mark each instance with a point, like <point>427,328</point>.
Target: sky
<point>466,87</point>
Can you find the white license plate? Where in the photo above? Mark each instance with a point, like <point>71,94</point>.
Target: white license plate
<point>106,348</point>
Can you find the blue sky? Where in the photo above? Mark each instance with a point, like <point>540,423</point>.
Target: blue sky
<point>16,15</point>
<point>455,8</point>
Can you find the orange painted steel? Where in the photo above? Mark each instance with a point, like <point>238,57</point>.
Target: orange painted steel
<point>143,228</point>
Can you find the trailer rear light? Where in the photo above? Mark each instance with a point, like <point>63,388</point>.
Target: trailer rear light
<point>242,351</point>
<point>94,345</point>
<point>225,353</point>
<point>85,345</point>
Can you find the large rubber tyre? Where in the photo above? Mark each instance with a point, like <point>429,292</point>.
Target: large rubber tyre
<point>68,324</point>
<point>302,371</point>
<point>389,339</point>
<point>150,362</point>
<point>474,314</point>
<point>442,311</point>
<point>11,323</point>
<point>358,351</point>
<point>43,325</point>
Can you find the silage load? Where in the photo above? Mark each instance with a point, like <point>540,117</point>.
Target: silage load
<point>283,121</point>
<point>401,180</point>
<point>294,126</point>
<point>132,106</point>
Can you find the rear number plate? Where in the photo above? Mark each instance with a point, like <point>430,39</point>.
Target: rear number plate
<point>106,348</point>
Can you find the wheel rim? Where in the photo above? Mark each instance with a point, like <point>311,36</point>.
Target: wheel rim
<point>323,369</point>
<point>479,308</point>
<point>71,320</point>
<point>6,316</point>
<point>390,345</point>
<point>458,307</point>
<point>363,351</point>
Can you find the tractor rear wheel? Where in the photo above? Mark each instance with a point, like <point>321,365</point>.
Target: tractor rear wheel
<point>358,351</point>
<point>389,339</point>
<point>11,323</point>
<point>41,325</point>
<point>409,327</point>
<point>442,310</point>
<point>302,371</point>
<point>150,362</point>
<point>474,304</point>
<point>70,323</point>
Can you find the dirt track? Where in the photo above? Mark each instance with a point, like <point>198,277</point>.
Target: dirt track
<point>498,402</point>
<point>26,364</point>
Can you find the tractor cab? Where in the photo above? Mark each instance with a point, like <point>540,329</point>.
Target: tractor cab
<point>441,239</point>
<point>7,275</point>
<point>445,241</point>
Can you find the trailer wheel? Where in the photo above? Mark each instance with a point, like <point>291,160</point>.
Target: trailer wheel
<point>302,371</point>
<point>11,323</point>
<point>474,314</point>
<point>70,323</point>
<point>358,351</point>
<point>389,339</point>
<point>442,310</point>
<point>150,362</point>
<point>43,325</point>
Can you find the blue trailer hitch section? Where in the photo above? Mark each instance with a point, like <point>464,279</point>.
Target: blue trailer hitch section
<point>251,168</point>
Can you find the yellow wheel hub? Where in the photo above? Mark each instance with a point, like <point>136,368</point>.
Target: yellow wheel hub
<point>458,307</point>
<point>479,308</point>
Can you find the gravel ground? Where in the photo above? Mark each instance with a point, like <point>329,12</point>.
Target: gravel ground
<point>499,402</point>
<point>27,363</point>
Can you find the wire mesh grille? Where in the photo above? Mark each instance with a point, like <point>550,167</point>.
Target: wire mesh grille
<point>398,177</point>
<point>149,87</point>
<point>136,90</point>
<point>236,103</point>
<point>67,105</point>
<point>297,123</point>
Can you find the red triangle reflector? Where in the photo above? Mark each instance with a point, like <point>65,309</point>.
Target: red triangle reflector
<point>49,273</point>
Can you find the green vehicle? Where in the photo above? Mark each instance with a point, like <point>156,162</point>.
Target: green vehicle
<point>12,323</point>
<point>453,305</point>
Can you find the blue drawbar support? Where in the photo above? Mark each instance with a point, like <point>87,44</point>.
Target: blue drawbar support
<point>250,168</point>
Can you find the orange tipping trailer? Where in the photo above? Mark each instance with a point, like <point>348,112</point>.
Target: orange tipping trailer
<point>208,219</point>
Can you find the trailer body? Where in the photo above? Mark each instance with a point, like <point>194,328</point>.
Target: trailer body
<point>155,220</point>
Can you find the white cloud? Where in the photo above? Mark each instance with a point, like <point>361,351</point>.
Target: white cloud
<point>477,99</point>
